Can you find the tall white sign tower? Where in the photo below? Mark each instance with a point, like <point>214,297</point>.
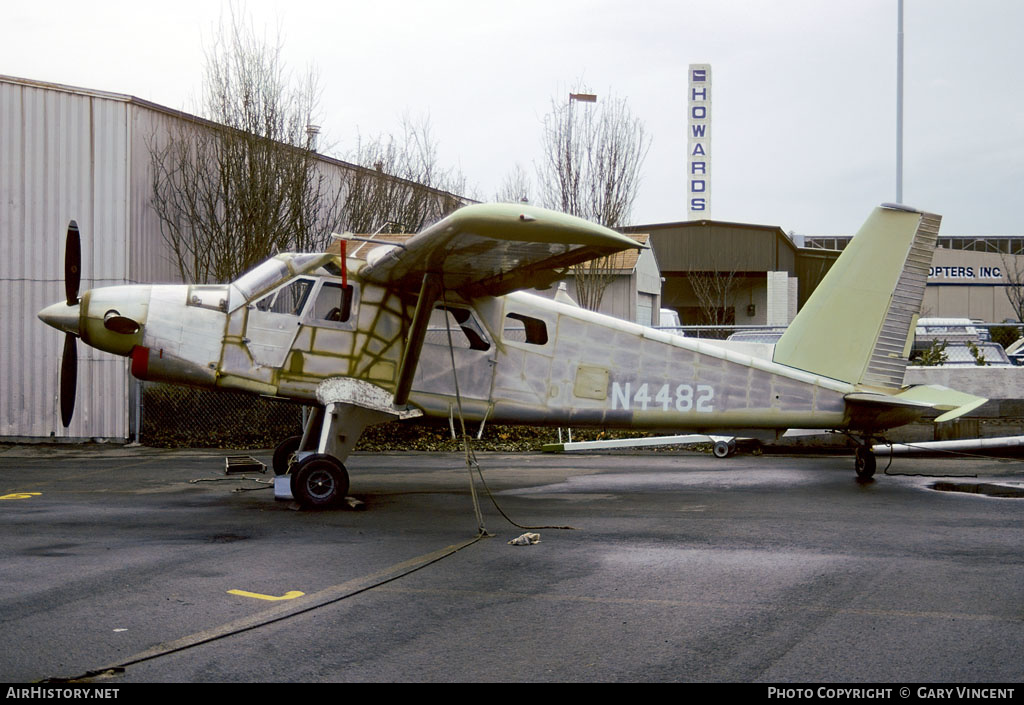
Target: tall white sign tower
<point>698,143</point>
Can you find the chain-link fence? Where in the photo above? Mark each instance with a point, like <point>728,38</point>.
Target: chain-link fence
<point>183,417</point>
<point>187,417</point>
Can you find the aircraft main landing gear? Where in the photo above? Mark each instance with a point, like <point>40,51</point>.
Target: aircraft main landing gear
<point>284,454</point>
<point>319,480</point>
<point>310,468</point>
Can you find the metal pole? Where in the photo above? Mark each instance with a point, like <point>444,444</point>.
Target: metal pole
<point>585,98</point>
<point>899,105</point>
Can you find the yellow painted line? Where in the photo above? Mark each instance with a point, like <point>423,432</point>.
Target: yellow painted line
<point>290,595</point>
<point>21,495</point>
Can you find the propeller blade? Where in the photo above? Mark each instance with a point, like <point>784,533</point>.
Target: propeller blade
<point>68,378</point>
<point>72,265</point>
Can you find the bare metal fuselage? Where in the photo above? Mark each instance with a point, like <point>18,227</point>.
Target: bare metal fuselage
<point>519,358</point>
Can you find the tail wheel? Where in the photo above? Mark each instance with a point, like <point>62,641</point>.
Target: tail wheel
<point>864,462</point>
<point>723,449</point>
<point>284,454</point>
<point>319,481</point>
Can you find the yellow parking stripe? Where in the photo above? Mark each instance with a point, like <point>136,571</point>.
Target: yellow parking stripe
<point>290,595</point>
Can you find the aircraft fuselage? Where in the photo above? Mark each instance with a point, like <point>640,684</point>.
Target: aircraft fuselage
<point>519,358</point>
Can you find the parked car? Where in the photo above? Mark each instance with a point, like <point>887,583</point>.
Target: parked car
<point>765,335</point>
<point>952,331</point>
<point>959,335</point>
<point>669,319</point>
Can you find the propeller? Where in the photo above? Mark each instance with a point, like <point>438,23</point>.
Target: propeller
<point>68,378</point>
<point>72,263</point>
<point>69,361</point>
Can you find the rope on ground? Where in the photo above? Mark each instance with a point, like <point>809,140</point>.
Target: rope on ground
<point>470,456</point>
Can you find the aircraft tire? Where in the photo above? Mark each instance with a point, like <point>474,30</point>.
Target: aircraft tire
<point>723,449</point>
<point>864,463</point>
<point>319,481</point>
<point>283,454</point>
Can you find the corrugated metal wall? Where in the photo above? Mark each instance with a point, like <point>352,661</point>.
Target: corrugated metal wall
<point>149,256</point>
<point>74,154</point>
<point>710,246</point>
<point>62,157</point>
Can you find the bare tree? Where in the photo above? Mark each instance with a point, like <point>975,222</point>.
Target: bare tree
<point>591,279</point>
<point>401,186</point>
<point>593,154</point>
<point>515,188</point>
<point>714,291</point>
<point>592,159</point>
<point>1013,270</point>
<point>243,182</point>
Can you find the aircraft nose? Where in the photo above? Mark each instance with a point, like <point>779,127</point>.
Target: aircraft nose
<point>62,317</point>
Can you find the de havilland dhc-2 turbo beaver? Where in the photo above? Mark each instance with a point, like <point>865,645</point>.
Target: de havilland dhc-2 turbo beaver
<point>442,322</point>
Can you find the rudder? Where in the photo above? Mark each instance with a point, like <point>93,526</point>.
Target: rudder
<point>858,324</point>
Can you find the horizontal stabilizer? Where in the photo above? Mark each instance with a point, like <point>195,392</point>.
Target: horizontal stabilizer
<point>954,403</point>
<point>881,411</point>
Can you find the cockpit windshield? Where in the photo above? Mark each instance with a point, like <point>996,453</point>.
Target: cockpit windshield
<point>263,277</point>
<point>269,274</point>
<point>307,261</point>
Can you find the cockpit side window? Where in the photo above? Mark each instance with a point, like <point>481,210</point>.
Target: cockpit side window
<point>333,303</point>
<point>288,299</point>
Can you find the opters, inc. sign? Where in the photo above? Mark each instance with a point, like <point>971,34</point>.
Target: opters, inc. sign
<point>965,272</point>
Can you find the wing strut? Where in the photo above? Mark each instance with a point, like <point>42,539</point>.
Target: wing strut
<point>430,290</point>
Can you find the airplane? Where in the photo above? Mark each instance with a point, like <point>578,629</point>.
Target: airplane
<point>440,325</point>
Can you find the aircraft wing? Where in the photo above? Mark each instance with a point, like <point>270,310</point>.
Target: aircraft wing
<point>493,249</point>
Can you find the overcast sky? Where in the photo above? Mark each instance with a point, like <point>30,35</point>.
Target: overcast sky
<point>804,91</point>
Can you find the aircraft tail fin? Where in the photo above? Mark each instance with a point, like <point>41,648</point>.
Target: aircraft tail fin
<point>858,325</point>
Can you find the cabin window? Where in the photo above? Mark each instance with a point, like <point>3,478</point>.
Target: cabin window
<point>288,299</point>
<point>211,296</point>
<point>525,329</point>
<point>333,303</point>
<point>466,332</point>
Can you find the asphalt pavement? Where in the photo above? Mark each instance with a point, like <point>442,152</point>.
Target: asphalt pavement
<point>126,565</point>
